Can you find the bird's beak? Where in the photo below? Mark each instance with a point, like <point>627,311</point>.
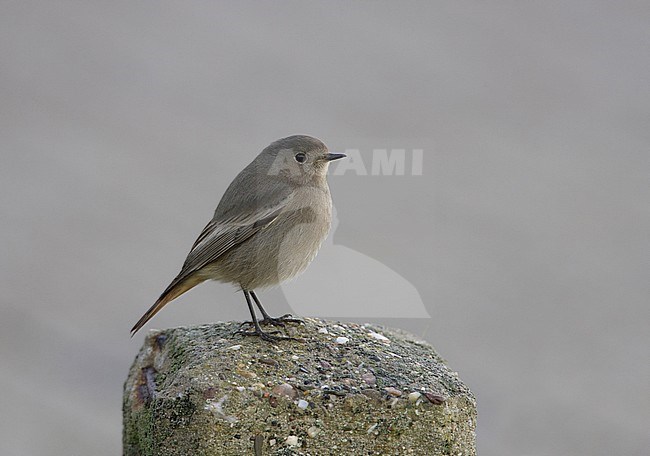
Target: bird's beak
<point>331,157</point>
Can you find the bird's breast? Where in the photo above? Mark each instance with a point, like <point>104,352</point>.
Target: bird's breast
<point>302,228</point>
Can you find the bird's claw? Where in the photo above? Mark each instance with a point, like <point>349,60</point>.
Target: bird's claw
<point>280,321</point>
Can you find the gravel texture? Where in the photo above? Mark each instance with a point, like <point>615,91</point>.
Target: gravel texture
<point>206,390</point>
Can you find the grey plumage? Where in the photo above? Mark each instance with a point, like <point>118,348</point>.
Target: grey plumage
<point>268,225</point>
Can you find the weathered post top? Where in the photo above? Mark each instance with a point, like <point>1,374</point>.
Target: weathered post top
<point>346,389</point>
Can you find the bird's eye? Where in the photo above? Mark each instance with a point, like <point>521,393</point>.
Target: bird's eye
<point>300,158</point>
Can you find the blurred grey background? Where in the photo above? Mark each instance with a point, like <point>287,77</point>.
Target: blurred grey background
<point>527,236</point>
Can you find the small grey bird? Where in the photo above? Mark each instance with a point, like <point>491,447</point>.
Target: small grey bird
<point>266,229</point>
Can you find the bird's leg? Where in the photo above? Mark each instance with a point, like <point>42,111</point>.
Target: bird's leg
<point>277,321</point>
<point>257,330</point>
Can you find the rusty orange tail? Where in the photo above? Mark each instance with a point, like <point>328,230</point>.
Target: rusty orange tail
<point>172,292</point>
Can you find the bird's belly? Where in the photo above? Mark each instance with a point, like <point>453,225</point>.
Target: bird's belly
<point>299,247</point>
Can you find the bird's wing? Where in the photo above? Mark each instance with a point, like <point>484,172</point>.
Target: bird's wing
<point>222,234</point>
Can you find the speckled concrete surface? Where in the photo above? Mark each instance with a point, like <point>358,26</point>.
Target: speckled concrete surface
<point>343,389</point>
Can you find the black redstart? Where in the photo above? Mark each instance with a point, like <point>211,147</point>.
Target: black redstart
<point>266,229</point>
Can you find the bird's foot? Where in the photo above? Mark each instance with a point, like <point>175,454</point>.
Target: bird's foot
<point>280,321</point>
<point>275,321</point>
